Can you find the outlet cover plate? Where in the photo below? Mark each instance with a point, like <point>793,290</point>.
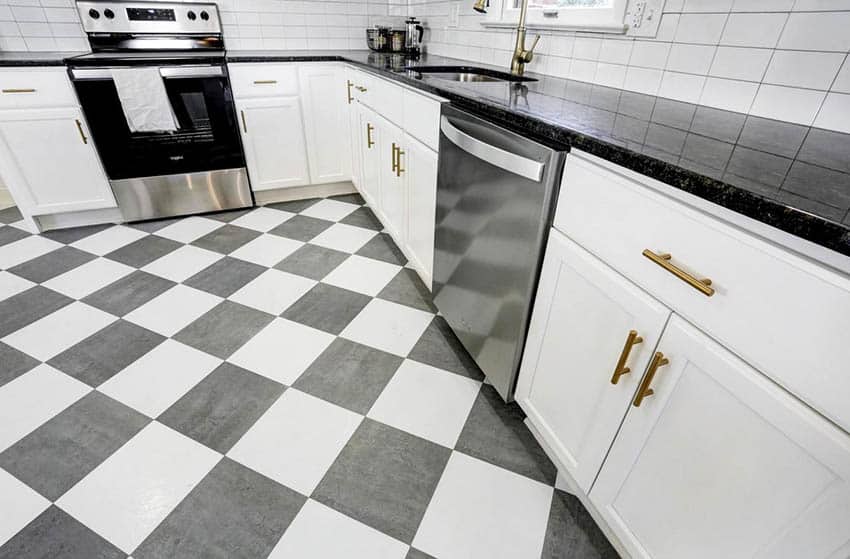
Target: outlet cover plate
<point>643,17</point>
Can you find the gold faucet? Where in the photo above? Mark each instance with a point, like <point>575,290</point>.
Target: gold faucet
<point>521,55</point>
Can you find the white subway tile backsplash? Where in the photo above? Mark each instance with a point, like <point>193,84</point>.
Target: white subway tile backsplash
<point>740,63</point>
<point>681,87</point>
<point>650,54</point>
<point>814,70</point>
<point>691,59</point>
<point>28,13</point>
<point>707,6</point>
<point>842,82</point>
<point>787,103</point>
<point>611,75</point>
<point>587,48</point>
<point>835,113</point>
<point>643,80</point>
<point>730,95</point>
<point>615,51</point>
<point>823,31</point>
<point>753,30</point>
<point>703,29</point>
<point>762,5</point>
<point>821,5</point>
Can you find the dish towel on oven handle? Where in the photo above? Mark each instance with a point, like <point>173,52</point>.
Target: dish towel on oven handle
<point>144,100</point>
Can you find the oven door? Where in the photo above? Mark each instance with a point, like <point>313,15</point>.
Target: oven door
<point>207,137</point>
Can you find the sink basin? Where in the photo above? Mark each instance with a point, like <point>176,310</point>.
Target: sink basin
<point>471,74</point>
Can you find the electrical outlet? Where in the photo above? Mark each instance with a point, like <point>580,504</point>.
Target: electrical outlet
<point>643,17</point>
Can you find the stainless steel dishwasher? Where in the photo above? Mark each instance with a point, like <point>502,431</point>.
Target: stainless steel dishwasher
<point>495,196</point>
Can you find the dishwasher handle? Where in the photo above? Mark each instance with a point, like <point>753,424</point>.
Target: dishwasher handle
<point>511,162</point>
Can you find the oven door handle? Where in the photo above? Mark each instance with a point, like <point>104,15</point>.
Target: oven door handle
<point>164,71</point>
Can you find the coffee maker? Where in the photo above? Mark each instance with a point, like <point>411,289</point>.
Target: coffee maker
<point>413,37</point>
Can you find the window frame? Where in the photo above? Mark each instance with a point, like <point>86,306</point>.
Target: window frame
<point>610,20</point>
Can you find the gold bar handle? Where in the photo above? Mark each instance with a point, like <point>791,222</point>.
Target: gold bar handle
<point>369,141</point>
<point>658,360</point>
<point>244,124</point>
<point>398,168</point>
<point>702,285</point>
<point>621,369</point>
<point>395,161</point>
<point>80,130</point>
<point>348,85</point>
<point>19,90</point>
<point>265,82</point>
<point>361,89</point>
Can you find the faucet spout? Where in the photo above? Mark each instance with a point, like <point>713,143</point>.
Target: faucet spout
<point>522,55</point>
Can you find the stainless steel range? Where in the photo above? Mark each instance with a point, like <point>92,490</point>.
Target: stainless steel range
<point>157,99</point>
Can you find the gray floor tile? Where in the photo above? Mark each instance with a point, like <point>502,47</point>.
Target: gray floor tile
<point>406,288</point>
<point>301,228</point>
<point>28,306</point>
<point>349,374</point>
<point>312,261</point>
<point>327,308</point>
<point>105,353</point>
<point>363,217</point>
<point>154,225</point>
<point>384,478</point>
<point>14,363</point>
<point>226,239</point>
<point>61,452</point>
<point>225,277</point>
<point>224,329</point>
<point>52,264</point>
<point>353,198</point>
<point>439,347</point>
<point>56,535</point>
<point>10,215</point>
<point>495,432</point>
<point>228,216</point>
<point>233,513</point>
<point>382,247</point>
<point>414,553</point>
<point>294,206</point>
<point>223,406</point>
<point>73,234</point>
<point>144,251</point>
<point>128,293</point>
<point>572,532</point>
<point>11,234</point>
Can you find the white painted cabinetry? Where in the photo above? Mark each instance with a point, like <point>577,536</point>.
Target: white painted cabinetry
<point>420,164</point>
<point>323,93</point>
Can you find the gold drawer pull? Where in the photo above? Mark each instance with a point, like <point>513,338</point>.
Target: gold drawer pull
<point>658,360</point>
<point>369,141</point>
<point>244,124</point>
<point>80,129</point>
<point>361,89</point>
<point>621,369</point>
<point>398,168</point>
<point>663,260</point>
<point>395,161</point>
<point>19,90</point>
<point>264,82</point>
<point>348,86</point>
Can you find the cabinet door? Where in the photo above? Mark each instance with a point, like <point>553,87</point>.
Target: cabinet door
<point>720,462</point>
<point>355,138</point>
<point>393,180</point>
<point>273,137</point>
<point>370,141</point>
<point>420,164</point>
<point>71,179</point>
<point>323,92</point>
<point>584,317</point>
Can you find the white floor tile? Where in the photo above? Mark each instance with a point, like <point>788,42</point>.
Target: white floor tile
<point>332,210</point>
<point>160,377</point>
<point>364,275</point>
<point>88,278</point>
<point>26,249</point>
<point>426,401</point>
<point>58,331</point>
<point>346,238</point>
<point>273,291</point>
<point>33,398</point>
<point>10,285</point>
<point>481,511</point>
<point>188,229</point>
<point>267,250</point>
<point>308,537</point>
<point>108,240</point>
<point>173,310</point>
<point>282,350</point>
<point>296,440</point>
<point>183,263</point>
<point>18,507</point>
<point>262,219</point>
<point>130,493</point>
<point>389,326</point>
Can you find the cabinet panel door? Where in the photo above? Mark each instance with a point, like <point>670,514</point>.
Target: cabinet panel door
<point>355,138</point>
<point>323,93</point>
<point>370,143</point>
<point>273,137</point>
<point>582,319</point>
<point>72,179</point>
<point>393,182</point>
<point>420,164</point>
<point>720,462</point>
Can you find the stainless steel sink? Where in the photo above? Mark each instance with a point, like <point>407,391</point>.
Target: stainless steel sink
<point>471,74</point>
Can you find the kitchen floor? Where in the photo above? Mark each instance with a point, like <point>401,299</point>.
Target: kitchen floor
<point>261,383</point>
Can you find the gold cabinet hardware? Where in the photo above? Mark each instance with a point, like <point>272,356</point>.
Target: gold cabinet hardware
<point>265,82</point>
<point>369,141</point>
<point>398,168</point>
<point>395,161</point>
<point>80,130</point>
<point>244,124</point>
<point>621,369</point>
<point>658,360</point>
<point>361,89</point>
<point>19,90</point>
<point>663,260</point>
<point>348,85</point>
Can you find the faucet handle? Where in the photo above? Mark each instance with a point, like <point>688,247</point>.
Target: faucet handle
<point>528,53</point>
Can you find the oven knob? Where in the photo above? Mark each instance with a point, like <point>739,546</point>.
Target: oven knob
<point>94,14</point>
<point>108,13</point>
<point>191,15</point>
<point>205,16</point>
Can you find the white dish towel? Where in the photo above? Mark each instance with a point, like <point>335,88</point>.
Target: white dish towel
<point>144,100</point>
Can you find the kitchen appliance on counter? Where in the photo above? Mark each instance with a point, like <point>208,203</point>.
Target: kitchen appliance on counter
<point>194,165</point>
<point>495,201</point>
<point>407,41</point>
<point>413,37</point>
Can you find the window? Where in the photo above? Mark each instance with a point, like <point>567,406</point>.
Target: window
<point>598,15</point>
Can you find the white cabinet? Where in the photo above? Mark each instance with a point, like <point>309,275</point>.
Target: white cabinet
<point>72,180</point>
<point>591,337</point>
<point>354,129</point>
<point>368,146</point>
<point>420,164</point>
<point>720,462</point>
<point>323,95</point>
<point>273,137</point>
<point>393,180</point>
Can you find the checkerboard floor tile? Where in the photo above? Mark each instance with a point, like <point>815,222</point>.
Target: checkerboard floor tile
<point>245,384</point>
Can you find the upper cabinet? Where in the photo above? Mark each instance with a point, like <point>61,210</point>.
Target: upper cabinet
<point>324,97</point>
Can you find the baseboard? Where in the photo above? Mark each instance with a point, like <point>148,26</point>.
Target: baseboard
<point>6,200</point>
<point>79,219</point>
<point>264,197</point>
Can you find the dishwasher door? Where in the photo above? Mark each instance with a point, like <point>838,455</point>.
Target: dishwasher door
<point>495,199</point>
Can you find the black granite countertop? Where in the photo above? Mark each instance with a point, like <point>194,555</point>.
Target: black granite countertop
<point>792,177</point>
<point>21,58</point>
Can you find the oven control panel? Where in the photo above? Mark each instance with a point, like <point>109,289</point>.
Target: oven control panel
<point>149,17</point>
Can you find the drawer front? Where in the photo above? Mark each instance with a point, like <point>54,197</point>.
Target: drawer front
<point>386,98</point>
<point>422,118</point>
<point>39,87</point>
<point>784,315</point>
<point>263,80</point>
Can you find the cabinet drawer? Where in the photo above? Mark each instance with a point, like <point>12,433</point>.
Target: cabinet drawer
<point>384,97</point>
<point>422,118</point>
<point>263,80</point>
<point>35,87</point>
<point>784,315</point>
